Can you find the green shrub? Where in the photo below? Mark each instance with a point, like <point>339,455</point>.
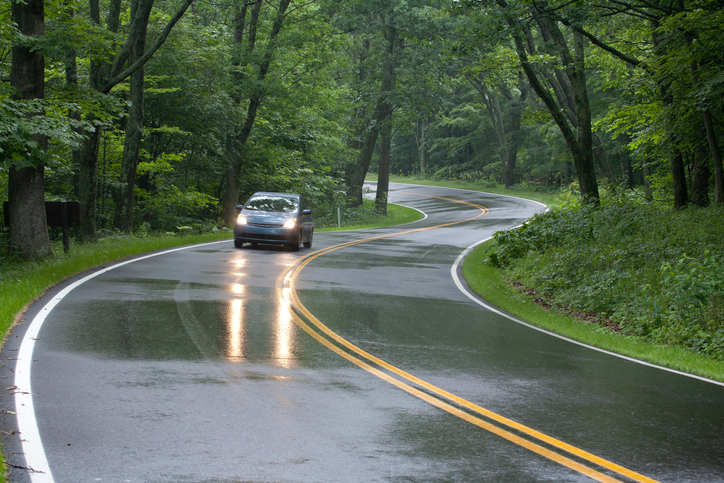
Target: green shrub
<point>656,273</point>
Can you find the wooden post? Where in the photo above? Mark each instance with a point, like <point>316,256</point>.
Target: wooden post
<point>64,222</point>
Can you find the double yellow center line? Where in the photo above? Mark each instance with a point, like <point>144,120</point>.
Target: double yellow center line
<point>434,395</point>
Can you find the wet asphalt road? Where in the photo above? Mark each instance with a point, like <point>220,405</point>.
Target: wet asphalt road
<point>192,366</point>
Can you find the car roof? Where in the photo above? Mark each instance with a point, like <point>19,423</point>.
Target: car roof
<point>272,193</point>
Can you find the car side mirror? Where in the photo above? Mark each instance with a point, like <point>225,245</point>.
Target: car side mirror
<point>307,212</point>
<point>239,207</point>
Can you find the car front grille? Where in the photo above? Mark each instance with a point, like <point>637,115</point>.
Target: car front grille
<point>266,225</point>
<point>259,236</point>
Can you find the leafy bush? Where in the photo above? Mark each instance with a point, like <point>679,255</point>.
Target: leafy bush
<point>655,273</point>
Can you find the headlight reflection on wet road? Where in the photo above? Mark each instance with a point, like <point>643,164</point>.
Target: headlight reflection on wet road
<point>236,324</point>
<point>237,320</point>
<point>284,337</point>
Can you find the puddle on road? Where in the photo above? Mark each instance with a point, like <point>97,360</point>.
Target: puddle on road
<point>236,323</point>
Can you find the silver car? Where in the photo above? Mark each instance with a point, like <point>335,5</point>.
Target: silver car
<point>274,218</point>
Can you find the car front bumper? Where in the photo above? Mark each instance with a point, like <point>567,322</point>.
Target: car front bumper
<point>258,234</point>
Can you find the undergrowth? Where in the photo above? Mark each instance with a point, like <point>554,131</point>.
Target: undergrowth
<point>650,271</point>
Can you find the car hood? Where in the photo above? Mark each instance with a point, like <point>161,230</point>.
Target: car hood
<point>267,217</point>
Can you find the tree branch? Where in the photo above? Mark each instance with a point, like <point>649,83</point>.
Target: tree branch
<point>114,81</point>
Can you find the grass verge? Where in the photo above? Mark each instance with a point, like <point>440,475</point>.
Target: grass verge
<point>489,284</point>
<point>396,215</point>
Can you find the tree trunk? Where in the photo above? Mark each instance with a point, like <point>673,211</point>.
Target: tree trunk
<point>71,80</point>
<point>711,140</point>
<point>578,138</point>
<point>231,186</point>
<point>26,185</point>
<point>364,158</point>
<point>514,132</point>
<point>421,140</point>
<point>105,74</point>
<point>389,84</point>
<point>716,158</point>
<point>123,217</point>
<point>701,173</point>
<point>383,111</point>
<point>26,200</point>
<point>678,173</point>
<point>87,185</point>
<point>383,177</point>
<point>358,140</point>
<point>577,75</point>
<point>233,169</point>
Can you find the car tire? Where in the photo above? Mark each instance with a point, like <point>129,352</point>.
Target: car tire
<point>238,243</point>
<point>308,243</point>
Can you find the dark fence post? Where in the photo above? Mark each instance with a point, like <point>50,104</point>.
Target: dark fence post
<point>64,218</point>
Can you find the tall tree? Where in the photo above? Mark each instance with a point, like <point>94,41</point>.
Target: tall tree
<point>386,111</point>
<point>26,186</point>
<point>106,72</point>
<point>389,33</point>
<point>578,137</point>
<point>508,134</point>
<point>140,12</point>
<point>685,73</point>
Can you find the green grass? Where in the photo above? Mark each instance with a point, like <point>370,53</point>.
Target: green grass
<point>396,215</point>
<point>487,281</point>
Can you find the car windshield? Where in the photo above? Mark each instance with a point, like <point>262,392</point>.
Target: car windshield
<point>281,204</point>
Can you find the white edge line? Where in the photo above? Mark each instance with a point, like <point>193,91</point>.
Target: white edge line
<point>424,215</point>
<point>461,287</point>
<point>30,440</point>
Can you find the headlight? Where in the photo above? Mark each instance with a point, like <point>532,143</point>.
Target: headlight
<point>290,223</point>
<point>241,220</point>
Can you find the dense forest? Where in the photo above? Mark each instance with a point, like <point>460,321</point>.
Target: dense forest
<point>155,115</point>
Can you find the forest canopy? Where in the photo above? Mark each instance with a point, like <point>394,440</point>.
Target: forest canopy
<point>156,115</point>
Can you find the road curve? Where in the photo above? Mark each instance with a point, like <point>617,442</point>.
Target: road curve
<point>358,360</point>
